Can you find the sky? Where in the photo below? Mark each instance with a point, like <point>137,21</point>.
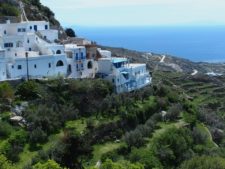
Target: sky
<point>137,12</point>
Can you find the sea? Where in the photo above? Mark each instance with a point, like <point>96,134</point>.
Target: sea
<point>196,43</point>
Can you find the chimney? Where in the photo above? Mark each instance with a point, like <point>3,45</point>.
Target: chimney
<point>8,21</point>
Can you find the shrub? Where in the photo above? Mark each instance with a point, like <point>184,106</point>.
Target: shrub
<point>199,136</point>
<point>206,162</point>
<point>134,138</point>
<point>6,91</point>
<point>28,90</point>
<point>173,146</point>
<point>5,129</point>
<point>173,112</point>
<point>38,136</point>
<point>8,10</point>
<point>50,164</point>
<point>70,32</point>
<point>146,157</point>
<point>5,164</point>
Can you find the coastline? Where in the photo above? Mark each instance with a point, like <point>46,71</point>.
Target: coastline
<point>198,44</point>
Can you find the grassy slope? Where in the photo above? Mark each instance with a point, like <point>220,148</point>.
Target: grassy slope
<point>201,95</point>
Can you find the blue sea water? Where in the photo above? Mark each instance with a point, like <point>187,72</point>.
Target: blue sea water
<point>205,43</point>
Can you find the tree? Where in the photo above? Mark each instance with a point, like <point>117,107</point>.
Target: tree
<point>206,162</point>
<point>173,146</point>
<point>146,157</point>
<point>38,136</point>
<point>108,164</point>
<point>70,32</point>
<point>50,164</point>
<point>28,90</point>
<point>5,164</point>
<point>6,91</point>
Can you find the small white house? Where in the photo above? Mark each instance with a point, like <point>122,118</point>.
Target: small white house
<point>36,66</point>
<point>78,64</point>
<point>126,77</point>
<point>105,53</point>
<point>40,28</point>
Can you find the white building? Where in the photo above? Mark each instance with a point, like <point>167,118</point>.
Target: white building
<point>126,77</point>
<point>30,51</point>
<point>2,65</point>
<point>78,64</point>
<point>27,50</point>
<point>105,53</point>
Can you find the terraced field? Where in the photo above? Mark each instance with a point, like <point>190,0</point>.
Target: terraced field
<point>205,91</point>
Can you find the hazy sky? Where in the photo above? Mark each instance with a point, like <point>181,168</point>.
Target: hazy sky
<point>138,12</point>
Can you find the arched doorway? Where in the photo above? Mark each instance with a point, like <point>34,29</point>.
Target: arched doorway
<point>90,65</point>
<point>59,63</point>
<point>69,70</point>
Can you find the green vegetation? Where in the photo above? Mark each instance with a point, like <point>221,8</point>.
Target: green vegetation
<point>70,32</point>
<point>83,124</point>
<point>8,9</point>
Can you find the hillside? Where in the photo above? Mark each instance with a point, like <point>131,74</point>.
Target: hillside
<point>178,122</point>
<point>170,63</point>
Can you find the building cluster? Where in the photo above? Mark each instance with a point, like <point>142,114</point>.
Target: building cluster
<point>28,50</point>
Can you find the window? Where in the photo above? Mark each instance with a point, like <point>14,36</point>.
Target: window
<point>30,27</point>
<point>29,49</point>
<point>77,57</point>
<point>49,65</point>
<point>77,67</point>
<point>21,30</point>
<point>59,63</point>
<point>19,67</point>
<point>58,52</point>
<point>28,41</point>
<point>35,28</point>
<point>69,69</point>
<point>89,65</point>
<point>113,81</point>
<point>46,27</point>
<point>8,45</point>
<point>12,67</point>
<point>35,66</point>
<point>82,55</point>
<point>82,66</point>
<point>5,32</point>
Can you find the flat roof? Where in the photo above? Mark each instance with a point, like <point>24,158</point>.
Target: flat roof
<point>119,60</point>
<point>134,65</point>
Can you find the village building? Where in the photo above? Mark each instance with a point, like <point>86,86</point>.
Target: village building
<point>28,50</point>
<point>124,76</point>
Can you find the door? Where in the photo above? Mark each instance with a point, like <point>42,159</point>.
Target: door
<point>35,28</point>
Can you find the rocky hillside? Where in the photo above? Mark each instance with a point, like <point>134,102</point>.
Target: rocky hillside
<point>168,63</point>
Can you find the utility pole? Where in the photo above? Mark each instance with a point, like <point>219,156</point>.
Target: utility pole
<point>27,66</point>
